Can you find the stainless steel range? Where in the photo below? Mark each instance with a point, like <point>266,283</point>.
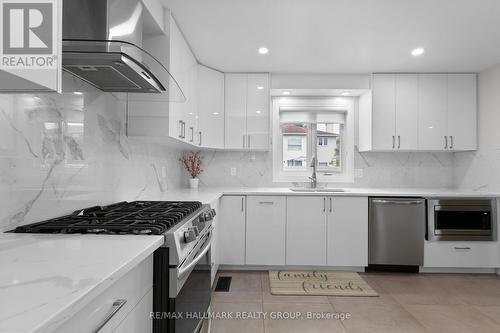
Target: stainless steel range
<point>182,283</point>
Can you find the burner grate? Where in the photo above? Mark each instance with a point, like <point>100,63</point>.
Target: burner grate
<point>138,217</point>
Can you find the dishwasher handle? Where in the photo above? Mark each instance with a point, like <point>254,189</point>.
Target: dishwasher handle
<point>397,202</point>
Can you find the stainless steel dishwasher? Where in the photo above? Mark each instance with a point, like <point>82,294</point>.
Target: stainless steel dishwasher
<point>396,233</point>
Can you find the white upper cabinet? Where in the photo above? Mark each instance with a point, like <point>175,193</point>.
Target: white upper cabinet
<point>236,110</point>
<point>432,112</point>
<point>462,117</point>
<point>384,111</point>
<point>184,68</point>
<point>258,111</point>
<point>247,111</point>
<point>419,112</point>
<point>210,105</point>
<point>406,135</point>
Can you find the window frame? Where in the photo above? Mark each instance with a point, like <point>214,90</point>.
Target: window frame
<point>317,104</point>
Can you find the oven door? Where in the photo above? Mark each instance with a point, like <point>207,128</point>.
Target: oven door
<point>190,289</point>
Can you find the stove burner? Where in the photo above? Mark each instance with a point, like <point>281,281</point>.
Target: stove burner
<point>137,217</point>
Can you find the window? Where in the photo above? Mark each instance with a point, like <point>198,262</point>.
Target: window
<point>294,143</point>
<point>307,128</point>
<point>294,136</point>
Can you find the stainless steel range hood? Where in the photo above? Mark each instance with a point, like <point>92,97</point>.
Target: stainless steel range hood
<point>102,44</point>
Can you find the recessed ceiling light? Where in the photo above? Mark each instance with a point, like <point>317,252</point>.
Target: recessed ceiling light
<point>263,50</point>
<point>190,113</point>
<point>260,87</point>
<point>286,93</point>
<point>215,113</point>
<point>78,93</point>
<point>258,112</point>
<point>345,93</point>
<point>418,51</point>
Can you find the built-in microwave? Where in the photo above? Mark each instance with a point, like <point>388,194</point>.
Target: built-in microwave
<point>462,219</point>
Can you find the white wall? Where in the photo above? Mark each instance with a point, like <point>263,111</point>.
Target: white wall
<point>480,170</point>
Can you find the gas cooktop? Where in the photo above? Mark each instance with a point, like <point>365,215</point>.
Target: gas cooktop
<point>137,217</point>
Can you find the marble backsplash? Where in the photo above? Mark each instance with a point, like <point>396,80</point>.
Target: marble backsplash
<point>388,170</point>
<point>62,152</point>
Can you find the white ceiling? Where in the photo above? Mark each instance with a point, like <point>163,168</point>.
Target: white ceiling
<point>341,36</point>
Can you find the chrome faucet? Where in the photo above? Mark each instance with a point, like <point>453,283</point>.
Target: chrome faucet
<point>314,180</point>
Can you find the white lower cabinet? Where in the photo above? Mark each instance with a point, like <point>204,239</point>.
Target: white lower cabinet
<point>306,230</point>
<point>450,254</point>
<point>123,307</point>
<point>214,253</point>
<point>232,230</point>
<point>265,230</point>
<point>347,231</point>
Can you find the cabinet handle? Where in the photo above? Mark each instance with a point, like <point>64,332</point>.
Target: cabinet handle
<point>248,140</point>
<point>244,141</point>
<point>331,205</point>
<point>393,142</point>
<point>183,130</point>
<point>399,141</point>
<point>117,305</point>
<point>180,129</point>
<point>462,248</point>
<point>192,134</point>
<point>199,142</point>
<point>451,141</point>
<point>445,142</point>
<point>266,202</point>
<point>324,204</point>
<point>242,204</point>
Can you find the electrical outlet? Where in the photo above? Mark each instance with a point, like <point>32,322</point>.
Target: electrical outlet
<point>233,171</point>
<point>358,173</point>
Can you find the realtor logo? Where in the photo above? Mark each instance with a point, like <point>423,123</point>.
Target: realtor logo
<point>27,28</point>
<point>27,34</point>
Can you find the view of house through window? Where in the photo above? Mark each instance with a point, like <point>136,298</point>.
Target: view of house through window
<point>297,152</point>
<point>295,146</point>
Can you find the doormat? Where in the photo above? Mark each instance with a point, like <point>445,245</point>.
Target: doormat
<point>319,284</point>
<point>223,283</point>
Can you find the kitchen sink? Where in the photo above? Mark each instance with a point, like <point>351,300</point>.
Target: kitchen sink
<point>322,190</point>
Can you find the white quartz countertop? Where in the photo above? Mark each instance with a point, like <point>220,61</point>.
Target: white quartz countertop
<point>45,279</point>
<point>207,194</point>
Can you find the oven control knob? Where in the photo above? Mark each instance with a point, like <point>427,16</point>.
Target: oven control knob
<point>189,235</point>
<point>196,230</point>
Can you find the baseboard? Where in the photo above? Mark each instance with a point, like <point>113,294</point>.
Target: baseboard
<point>459,270</point>
<point>288,268</point>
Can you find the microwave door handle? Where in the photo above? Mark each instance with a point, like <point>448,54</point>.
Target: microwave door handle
<point>184,270</point>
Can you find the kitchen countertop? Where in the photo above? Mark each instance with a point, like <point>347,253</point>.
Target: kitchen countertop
<point>207,194</point>
<point>45,279</point>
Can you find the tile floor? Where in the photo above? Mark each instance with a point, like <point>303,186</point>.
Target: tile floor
<point>407,303</point>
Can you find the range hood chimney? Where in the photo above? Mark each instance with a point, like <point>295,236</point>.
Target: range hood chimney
<point>102,44</point>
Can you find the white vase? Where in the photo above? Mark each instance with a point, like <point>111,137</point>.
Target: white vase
<point>194,182</point>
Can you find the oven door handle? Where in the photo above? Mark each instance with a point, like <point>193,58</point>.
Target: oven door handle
<point>184,270</point>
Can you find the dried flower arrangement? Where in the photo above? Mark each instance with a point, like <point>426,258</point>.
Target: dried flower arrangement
<point>192,163</point>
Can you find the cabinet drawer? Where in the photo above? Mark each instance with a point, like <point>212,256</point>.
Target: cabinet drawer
<point>462,254</point>
<point>131,287</point>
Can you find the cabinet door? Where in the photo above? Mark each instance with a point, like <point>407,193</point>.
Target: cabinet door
<point>235,107</point>
<point>214,252</point>
<point>258,111</point>
<point>407,111</point>
<point>232,230</point>
<point>384,112</point>
<point>348,231</point>
<point>138,320</point>
<point>462,111</point>
<point>432,114</point>
<point>265,230</point>
<point>210,105</point>
<point>306,230</point>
